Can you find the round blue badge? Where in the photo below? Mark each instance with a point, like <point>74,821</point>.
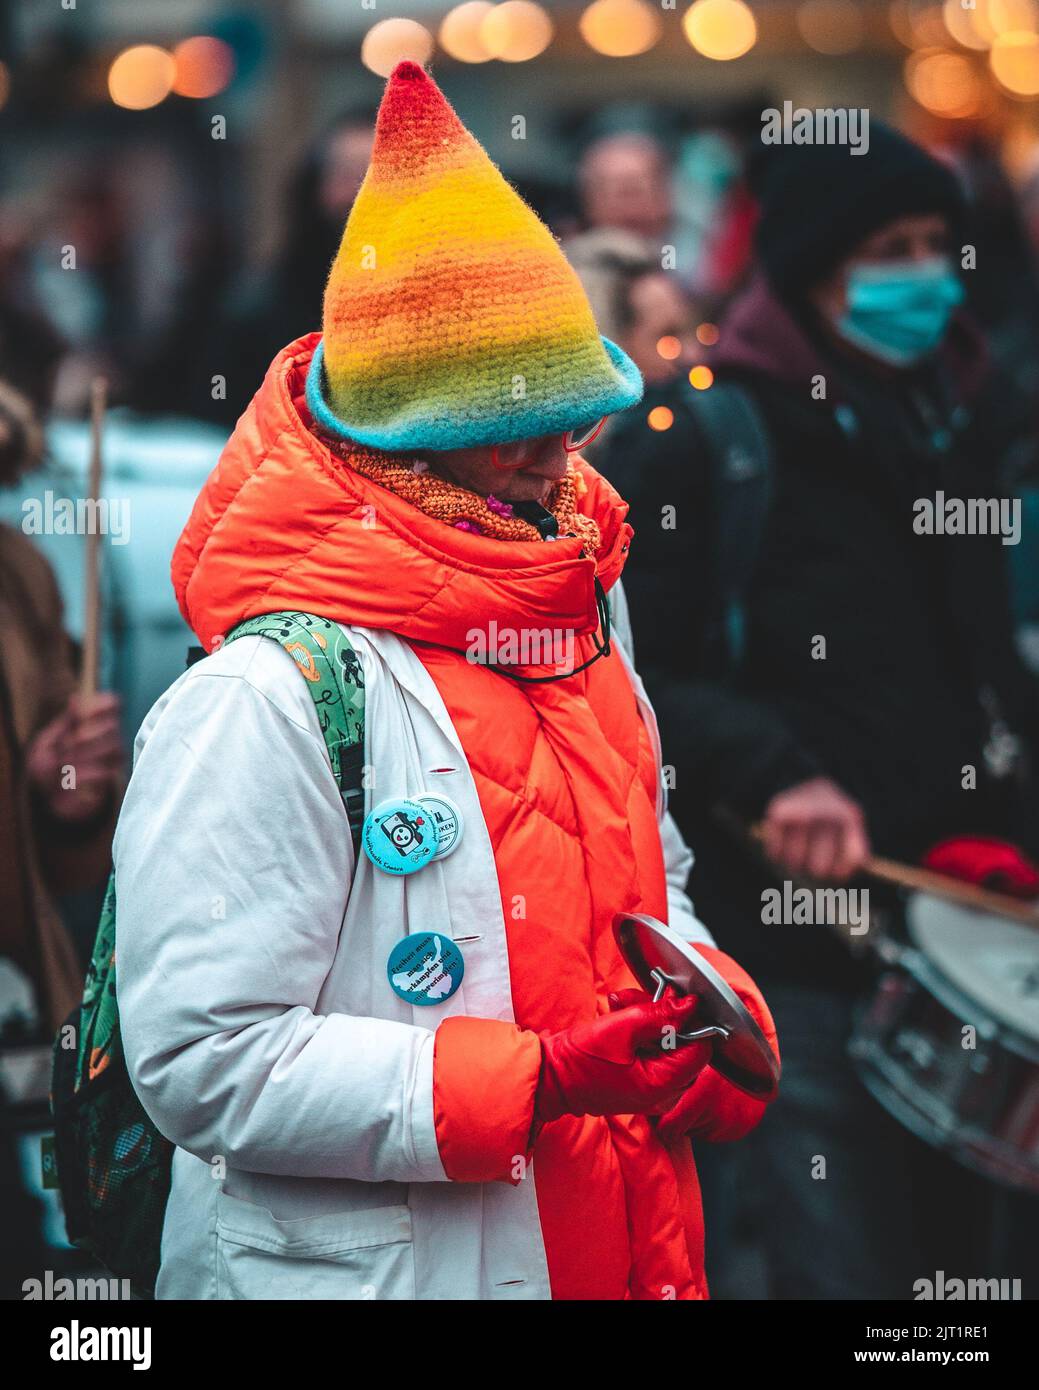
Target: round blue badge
<point>399,836</point>
<point>425,968</point>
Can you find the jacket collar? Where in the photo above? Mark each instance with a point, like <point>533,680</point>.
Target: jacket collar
<point>281,523</point>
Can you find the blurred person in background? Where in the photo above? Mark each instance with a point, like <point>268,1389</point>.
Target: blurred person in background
<point>644,309</point>
<point>284,302</point>
<point>57,829</point>
<point>30,347</point>
<point>1004,297</point>
<point>60,776</point>
<point>847,389</point>
<point>68,281</point>
<point>624,181</point>
<point>641,305</point>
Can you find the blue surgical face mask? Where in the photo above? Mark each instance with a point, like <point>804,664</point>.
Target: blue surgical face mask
<point>899,311</point>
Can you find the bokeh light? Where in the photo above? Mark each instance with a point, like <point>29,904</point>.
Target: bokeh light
<point>669,348</point>
<point>918,23</point>
<point>707,333</point>
<point>203,67</point>
<point>460,32</point>
<point>393,41</point>
<point>1009,16</point>
<point>966,26</point>
<point>1015,62</point>
<point>831,26</point>
<point>720,29</point>
<point>944,83</point>
<point>516,31</point>
<point>141,77</point>
<point>620,28</point>
<point>701,378</point>
<point>660,418</point>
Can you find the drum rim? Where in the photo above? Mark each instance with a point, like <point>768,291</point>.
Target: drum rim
<point>1023,1045</point>
<point>919,967</point>
<point>979,1158</point>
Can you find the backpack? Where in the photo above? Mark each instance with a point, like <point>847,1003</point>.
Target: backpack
<point>113,1167</point>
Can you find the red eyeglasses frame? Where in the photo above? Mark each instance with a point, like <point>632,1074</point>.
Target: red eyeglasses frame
<point>568,446</point>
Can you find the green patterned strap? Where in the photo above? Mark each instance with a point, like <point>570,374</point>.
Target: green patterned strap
<point>99,1011</point>
<point>335,680</point>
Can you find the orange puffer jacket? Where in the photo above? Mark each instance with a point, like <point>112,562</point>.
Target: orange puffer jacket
<point>568,781</point>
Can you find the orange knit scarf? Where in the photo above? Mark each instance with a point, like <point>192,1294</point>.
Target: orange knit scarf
<point>413,480</point>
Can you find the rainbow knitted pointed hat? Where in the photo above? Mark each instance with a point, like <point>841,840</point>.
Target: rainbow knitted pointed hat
<point>451,316</point>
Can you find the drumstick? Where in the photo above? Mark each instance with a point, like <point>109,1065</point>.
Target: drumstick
<point>969,894</point>
<point>91,579</point>
<point>927,881</point>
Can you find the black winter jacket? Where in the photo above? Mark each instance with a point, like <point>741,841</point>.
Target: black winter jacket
<point>919,655</point>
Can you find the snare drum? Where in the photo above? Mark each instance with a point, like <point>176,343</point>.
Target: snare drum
<point>949,1042</point>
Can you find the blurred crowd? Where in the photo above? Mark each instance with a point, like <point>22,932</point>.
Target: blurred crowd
<point>713,273</point>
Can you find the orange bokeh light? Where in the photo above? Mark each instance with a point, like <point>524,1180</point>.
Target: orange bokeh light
<point>660,418</point>
<point>460,31</point>
<point>620,28</point>
<point>516,31</point>
<point>944,83</point>
<point>141,77</point>
<point>721,29</point>
<point>204,67</point>
<point>391,41</point>
<point>1015,62</point>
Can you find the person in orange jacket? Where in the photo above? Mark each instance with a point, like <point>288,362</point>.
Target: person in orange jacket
<point>413,478</point>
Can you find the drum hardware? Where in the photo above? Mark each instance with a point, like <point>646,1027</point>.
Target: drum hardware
<point>949,1041</point>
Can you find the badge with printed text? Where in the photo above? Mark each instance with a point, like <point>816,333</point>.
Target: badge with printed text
<point>399,836</point>
<point>447,822</point>
<point>425,968</point>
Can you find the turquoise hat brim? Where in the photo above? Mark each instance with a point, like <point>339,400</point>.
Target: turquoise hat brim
<point>449,432</point>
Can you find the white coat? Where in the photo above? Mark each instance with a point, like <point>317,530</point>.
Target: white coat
<point>260,1030</point>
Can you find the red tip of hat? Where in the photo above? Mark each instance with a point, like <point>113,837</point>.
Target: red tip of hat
<point>408,72</point>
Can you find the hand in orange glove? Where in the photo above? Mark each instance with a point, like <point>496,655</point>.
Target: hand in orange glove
<point>713,1108</point>
<point>622,1063</point>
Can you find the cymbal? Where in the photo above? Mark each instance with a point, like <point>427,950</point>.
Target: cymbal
<point>658,956</point>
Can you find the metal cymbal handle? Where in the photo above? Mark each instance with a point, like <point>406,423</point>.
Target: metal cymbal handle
<point>714,1030</point>
<point>662,983</point>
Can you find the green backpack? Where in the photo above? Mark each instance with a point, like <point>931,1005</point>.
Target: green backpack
<point>112,1164</point>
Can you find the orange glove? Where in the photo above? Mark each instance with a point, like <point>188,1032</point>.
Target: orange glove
<point>713,1108</point>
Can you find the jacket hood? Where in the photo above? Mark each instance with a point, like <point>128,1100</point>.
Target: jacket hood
<point>282,523</point>
<point>762,334</point>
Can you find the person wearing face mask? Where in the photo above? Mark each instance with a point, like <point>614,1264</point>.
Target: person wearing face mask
<point>838,668</point>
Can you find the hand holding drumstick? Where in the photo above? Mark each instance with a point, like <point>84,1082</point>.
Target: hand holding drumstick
<point>74,762</point>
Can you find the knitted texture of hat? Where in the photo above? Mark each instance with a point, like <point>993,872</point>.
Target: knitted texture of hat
<point>451,316</point>
<point>411,480</point>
